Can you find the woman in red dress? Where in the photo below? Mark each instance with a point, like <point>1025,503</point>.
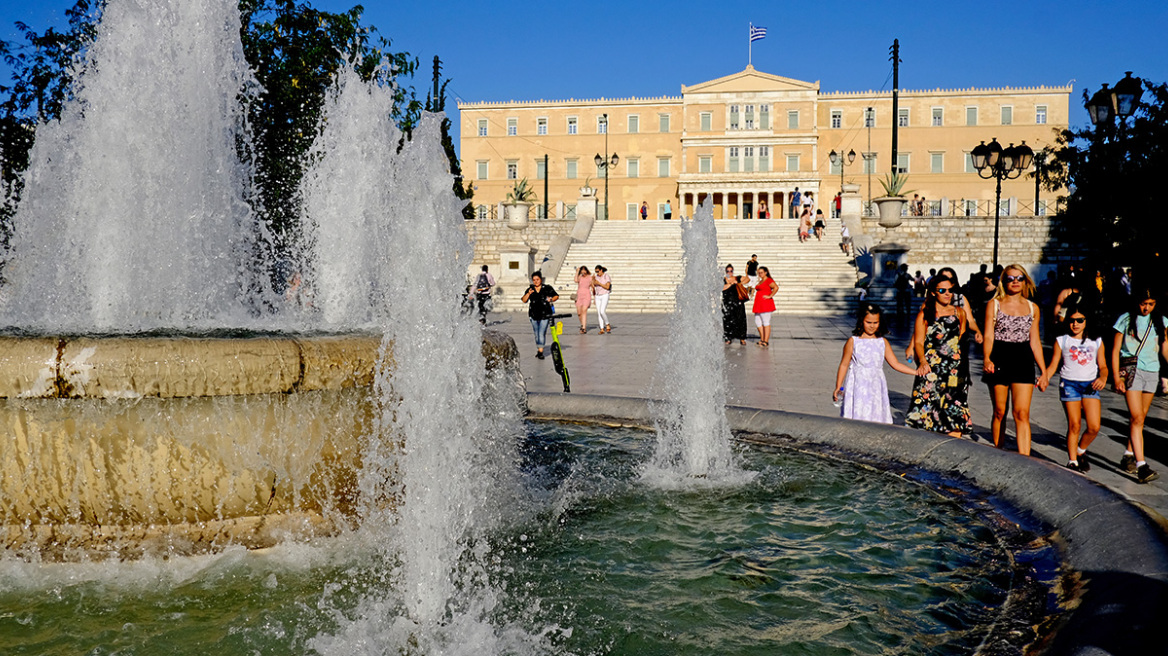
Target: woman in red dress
<point>764,304</point>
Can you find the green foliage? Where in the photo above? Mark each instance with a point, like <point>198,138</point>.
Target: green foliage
<point>521,193</point>
<point>437,103</point>
<point>893,184</point>
<point>1113,174</point>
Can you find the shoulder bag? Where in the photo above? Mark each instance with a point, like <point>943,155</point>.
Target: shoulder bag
<point>1129,363</point>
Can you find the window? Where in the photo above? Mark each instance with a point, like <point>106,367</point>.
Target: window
<point>632,211</point>
<point>634,167</point>
<point>902,162</point>
<point>1040,208</point>
<point>571,125</point>
<point>733,117</point>
<point>570,169</point>
<point>869,118</point>
<point>869,163</point>
<point>764,117</point>
<point>936,162</point>
<point>902,117</point>
<point>1007,115</point>
<point>663,122</point>
<point>706,119</point>
<point>969,163</point>
<point>750,117</point>
<point>512,170</point>
<point>663,167</point>
<point>837,119</point>
<point>483,127</point>
<point>764,158</point>
<point>512,127</point>
<point>1040,115</point>
<point>481,212</point>
<point>601,124</point>
<point>481,172</point>
<point>601,172</point>
<point>793,119</point>
<point>1004,207</point>
<point>705,164</point>
<point>634,124</point>
<point>733,167</point>
<point>748,158</point>
<point>792,163</point>
<point>971,115</point>
<point>970,207</point>
<point>541,126</point>
<point>540,169</point>
<point>749,124</point>
<point>836,166</point>
<point>938,117</point>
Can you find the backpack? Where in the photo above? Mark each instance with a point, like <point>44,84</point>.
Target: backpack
<point>482,285</point>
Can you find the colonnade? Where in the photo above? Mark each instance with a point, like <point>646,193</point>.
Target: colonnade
<point>742,203</point>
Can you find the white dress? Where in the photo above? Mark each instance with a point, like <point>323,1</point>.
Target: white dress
<point>865,387</point>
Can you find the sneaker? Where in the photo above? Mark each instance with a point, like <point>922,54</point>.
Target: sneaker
<point>1145,474</point>
<point>1128,463</point>
<point>1073,466</point>
<point>539,354</point>
<point>1084,463</point>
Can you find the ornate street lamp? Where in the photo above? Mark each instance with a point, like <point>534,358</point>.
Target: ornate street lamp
<point>838,158</point>
<point>993,161</point>
<point>606,165</point>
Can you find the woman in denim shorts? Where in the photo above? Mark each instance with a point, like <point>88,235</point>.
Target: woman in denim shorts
<point>1139,334</point>
<point>1082,368</point>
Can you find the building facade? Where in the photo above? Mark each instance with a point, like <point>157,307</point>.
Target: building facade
<point>748,140</point>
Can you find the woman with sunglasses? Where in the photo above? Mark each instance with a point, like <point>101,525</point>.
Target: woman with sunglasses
<point>1082,368</point>
<point>1012,348</point>
<point>938,398</point>
<point>733,307</point>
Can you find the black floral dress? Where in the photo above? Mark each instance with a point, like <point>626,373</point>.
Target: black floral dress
<point>940,400</point>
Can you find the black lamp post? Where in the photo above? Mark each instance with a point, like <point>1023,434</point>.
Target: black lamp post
<point>838,158</point>
<point>606,165</point>
<point>1106,105</point>
<point>993,161</point>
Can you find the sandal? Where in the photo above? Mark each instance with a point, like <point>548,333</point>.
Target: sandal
<point>583,331</point>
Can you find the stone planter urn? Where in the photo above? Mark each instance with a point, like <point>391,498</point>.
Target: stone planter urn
<point>890,210</point>
<point>587,192</point>
<point>517,215</point>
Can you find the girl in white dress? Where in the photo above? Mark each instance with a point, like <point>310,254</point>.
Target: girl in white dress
<point>860,379</point>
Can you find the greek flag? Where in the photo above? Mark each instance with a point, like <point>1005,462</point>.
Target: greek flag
<point>757,33</point>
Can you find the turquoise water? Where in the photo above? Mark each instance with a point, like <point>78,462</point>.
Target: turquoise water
<point>810,557</point>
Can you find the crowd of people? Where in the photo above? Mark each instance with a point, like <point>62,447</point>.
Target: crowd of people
<point>756,287</point>
<point>998,311</point>
<point>591,287</point>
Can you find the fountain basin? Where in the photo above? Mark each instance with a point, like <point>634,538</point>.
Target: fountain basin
<point>185,443</point>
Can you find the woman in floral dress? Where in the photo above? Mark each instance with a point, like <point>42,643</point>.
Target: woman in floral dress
<point>938,404</point>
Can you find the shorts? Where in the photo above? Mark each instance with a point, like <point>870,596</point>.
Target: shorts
<point>762,319</point>
<point>1077,390</point>
<point>1146,381</point>
<point>1013,363</point>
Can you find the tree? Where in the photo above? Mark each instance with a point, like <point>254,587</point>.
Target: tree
<point>1113,173</point>
<point>437,103</point>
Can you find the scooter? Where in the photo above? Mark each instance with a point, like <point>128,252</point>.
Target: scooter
<point>558,357</point>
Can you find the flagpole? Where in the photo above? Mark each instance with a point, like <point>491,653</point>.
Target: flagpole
<point>750,45</point>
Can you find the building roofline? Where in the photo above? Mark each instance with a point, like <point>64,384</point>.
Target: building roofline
<point>519,104</point>
<point>945,92</point>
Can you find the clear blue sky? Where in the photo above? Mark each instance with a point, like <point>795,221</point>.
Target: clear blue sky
<point>552,50</point>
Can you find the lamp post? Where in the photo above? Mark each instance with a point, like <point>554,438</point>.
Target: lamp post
<point>993,161</point>
<point>1107,105</point>
<point>838,158</point>
<point>606,163</point>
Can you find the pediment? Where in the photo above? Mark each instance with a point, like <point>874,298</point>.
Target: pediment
<point>750,80</point>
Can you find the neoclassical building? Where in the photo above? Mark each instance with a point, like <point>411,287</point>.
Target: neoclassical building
<point>748,140</point>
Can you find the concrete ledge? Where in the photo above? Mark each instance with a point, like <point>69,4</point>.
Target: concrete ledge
<point>1118,548</point>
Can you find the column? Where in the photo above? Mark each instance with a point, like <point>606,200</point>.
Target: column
<point>725,203</point>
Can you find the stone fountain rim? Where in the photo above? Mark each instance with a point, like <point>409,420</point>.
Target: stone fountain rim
<point>1119,546</point>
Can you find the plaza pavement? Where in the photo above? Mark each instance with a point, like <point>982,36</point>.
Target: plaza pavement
<point>797,373</point>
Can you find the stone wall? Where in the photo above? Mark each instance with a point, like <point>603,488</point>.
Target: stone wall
<point>490,238</point>
<point>954,241</point>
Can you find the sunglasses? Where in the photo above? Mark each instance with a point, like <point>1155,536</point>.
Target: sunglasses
<point>946,290</point>
<point>1078,320</point>
<point>1015,278</point>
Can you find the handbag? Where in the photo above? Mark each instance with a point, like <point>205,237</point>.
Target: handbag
<point>1129,363</point>
<point>743,292</point>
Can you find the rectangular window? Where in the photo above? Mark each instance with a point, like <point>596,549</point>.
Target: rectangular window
<point>706,120</point>
<point>764,117</point>
<point>601,125</point>
<point>971,115</point>
<point>970,207</point>
<point>482,127</point>
<point>481,212</point>
<point>749,117</point>
<point>733,162</point>
<point>938,117</point>
<point>1007,115</point>
<point>1004,207</point>
<point>793,119</point>
<point>512,127</point>
<point>571,125</point>
<point>936,162</point>
<point>749,124</point>
<point>663,122</point>
<point>631,211</point>
<point>748,158</point>
<point>512,170</point>
<point>541,126</point>
<point>660,211</point>
<point>634,167</point>
<point>792,163</point>
<point>869,163</point>
<point>1040,210</point>
<point>1040,114</point>
<point>634,123</point>
<point>705,164</point>
<point>764,158</point>
<point>902,117</point>
<point>837,119</point>
<point>902,162</point>
<point>570,169</point>
<point>601,172</point>
<point>663,167</point>
<point>540,169</point>
<point>869,118</point>
<point>836,166</point>
<point>481,172</point>
<point>733,117</point>
<point>969,163</point>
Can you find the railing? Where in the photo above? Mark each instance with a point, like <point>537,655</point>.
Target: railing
<point>969,207</point>
<point>484,212</point>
